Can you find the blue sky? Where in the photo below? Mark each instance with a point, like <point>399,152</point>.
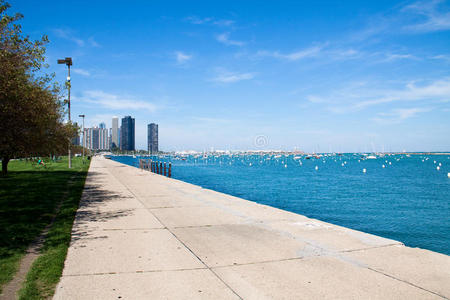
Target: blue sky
<point>309,75</point>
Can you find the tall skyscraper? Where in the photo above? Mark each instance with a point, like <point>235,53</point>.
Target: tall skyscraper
<point>115,133</point>
<point>127,134</point>
<point>152,138</point>
<point>76,138</point>
<point>96,138</point>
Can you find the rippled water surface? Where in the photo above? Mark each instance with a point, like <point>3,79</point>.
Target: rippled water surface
<point>407,200</point>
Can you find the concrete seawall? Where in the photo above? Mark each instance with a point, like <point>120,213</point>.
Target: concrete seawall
<point>138,235</point>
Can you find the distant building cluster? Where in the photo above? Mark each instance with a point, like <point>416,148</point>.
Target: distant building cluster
<point>118,138</point>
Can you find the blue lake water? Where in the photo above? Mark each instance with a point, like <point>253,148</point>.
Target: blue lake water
<point>408,200</point>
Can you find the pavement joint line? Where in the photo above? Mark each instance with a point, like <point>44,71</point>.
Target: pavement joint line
<point>178,206</point>
<point>407,282</point>
<point>264,262</point>
<point>369,248</point>
<point>178,239</point>
<point>131,229</point>
<point>133,272</point>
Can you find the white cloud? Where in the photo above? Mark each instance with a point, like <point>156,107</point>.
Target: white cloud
<point>436,18</point>
<point>209,20</point>
<point>182,57</point>
<point>400,114</point>
<point>116,102</point>
<point>93,42</point>
<point>68,35</point>
<point>437,90</point>
<point>224,38</point>
<point>81,72</point>
<point>315,99</point>
<point>229,77</point>
<point>362,95</point>
<point>212,120</point>
<point>391,57</point>
<point>198,21</point>
<point>224,22</point>
<point>309,52</point>
<point>441,57</point>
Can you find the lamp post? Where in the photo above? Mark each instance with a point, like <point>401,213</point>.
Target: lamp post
<point>68,61</point>
<point>84,139</point>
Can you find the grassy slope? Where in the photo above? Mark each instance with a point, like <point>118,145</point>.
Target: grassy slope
<point>28,198</point>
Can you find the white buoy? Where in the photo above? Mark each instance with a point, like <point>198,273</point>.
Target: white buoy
<point>317,168</point>
<point>438,168</point>
<point>440,165</point>
<point>390,163</point>
<point>364,170</point>
<point>384,166</point>
<point>285,166</point>
<point>250,164</point>
<point>342,164</point>
<point>448,175</point>
<point>434,161</point>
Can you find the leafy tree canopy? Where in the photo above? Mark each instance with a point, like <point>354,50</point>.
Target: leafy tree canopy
<point>31,110</point>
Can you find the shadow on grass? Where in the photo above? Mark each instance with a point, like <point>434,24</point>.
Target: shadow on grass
<point>28,199</point>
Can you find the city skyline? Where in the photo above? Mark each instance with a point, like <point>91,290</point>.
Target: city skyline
<point>342,77</point>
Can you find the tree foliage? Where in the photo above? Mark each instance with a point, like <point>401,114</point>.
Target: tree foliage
<point>31,110</point>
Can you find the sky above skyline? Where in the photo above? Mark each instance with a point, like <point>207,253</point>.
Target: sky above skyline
<point>320,76</point>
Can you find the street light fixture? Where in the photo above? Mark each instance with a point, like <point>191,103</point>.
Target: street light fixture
<point>68,61</point>
<point>84,136</point>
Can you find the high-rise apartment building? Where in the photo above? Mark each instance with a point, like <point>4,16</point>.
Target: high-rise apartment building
<point>127,134</point>
<point>96,138</point>
<point>152,138</point>
<point>76,138</point>
<point>115,133</point>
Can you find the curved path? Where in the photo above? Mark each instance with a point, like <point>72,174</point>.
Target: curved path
<point>139,235</point>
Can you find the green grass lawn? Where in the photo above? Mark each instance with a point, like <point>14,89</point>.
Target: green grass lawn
<point>28,198</point>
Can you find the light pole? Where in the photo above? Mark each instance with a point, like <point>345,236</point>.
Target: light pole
<point>84,143</point>
<point>68,61</point>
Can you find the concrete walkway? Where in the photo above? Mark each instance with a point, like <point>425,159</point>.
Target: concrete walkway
<point>138,235</point>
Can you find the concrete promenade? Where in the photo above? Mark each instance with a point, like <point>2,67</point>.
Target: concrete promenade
<point>139,235</point>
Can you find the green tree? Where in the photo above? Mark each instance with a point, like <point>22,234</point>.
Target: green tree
<point>31,110</point>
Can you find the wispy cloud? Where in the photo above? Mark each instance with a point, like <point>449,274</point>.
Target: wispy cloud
<point>293,56</point>
<point>92,42</point>
<point>362,95</point>
<point>116,102</point>
<point>436,90</point>
<point>224,38</point>
<point>68,35</point>
<point>182,57</point>
<point>435,17</point>
<point>197,20</point>
<point>81,72</point>
<point>224,22</point>
<point>229,77</point>
<point>212,120</point>
<point>441,57</point>
<point>391,57</point>
<point>209,20</point>
<point>400,114</point>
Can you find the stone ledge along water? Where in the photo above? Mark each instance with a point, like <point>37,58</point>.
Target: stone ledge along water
<point>402,197</point>
<point>139,235</point>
